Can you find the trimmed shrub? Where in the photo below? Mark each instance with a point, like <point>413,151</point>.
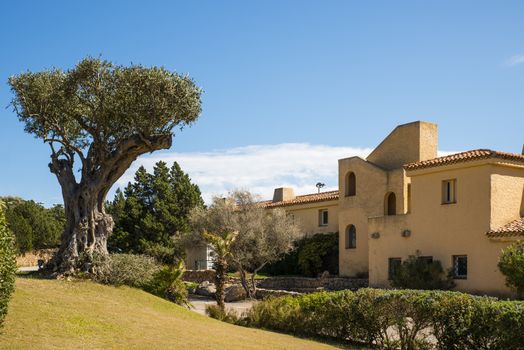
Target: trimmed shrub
<point>7,265</point>
<point>397,319</point>
<point>419,273</point>
<point>126,269</point>
<point>511,264</point>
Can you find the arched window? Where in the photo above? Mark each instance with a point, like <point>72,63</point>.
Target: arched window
<point>351,237</point>
<point>390,204</point>
<point>351,184</point>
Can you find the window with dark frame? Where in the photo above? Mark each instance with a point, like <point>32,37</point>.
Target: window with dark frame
<point>393,266</point>
<point>351,237</point>
<point>449,191</point>
<point>323,217</point>
<point>460,266</point>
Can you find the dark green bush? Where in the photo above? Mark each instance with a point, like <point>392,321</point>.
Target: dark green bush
<point>7,265</point>
<point>311,256</point>
<point>419,273</point>
<point>167,283</point>
<point>126,269</point>
<point>397,319</point>
<point>511,264</point>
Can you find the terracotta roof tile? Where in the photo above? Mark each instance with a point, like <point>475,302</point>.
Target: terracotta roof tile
<point>514,228</point>
<point>464,157</point>
<point>307,198</point>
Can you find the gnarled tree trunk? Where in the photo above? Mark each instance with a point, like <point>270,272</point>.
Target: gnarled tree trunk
<point>88,226</point>
<point>87,229</point>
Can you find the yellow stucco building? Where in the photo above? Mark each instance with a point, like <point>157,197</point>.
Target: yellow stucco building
<point>403,200</point>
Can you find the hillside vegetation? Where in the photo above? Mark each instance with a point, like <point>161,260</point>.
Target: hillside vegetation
<point>50,314</point>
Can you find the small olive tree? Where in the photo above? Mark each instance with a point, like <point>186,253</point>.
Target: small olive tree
<point>511,264</point>
<point>262,236</point>
<point>265,236</point>
<point>7,265</point>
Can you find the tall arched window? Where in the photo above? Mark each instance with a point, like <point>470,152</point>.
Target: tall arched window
<point>351,237</point>
<point>390,204</point>
<point>351,184</point>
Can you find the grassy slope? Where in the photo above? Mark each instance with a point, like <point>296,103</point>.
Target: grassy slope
<point>84,315</point>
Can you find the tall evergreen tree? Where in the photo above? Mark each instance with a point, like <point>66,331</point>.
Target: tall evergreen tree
<point>153,210</point>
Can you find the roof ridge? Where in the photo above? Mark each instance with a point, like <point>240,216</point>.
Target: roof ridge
<point>480,153</point>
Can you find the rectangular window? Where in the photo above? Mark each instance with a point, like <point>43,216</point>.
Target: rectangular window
<point>449,191</point>
<point>427,259</point>
<point>323,217</point>
<point>393,265</point>
<point>460,266</point>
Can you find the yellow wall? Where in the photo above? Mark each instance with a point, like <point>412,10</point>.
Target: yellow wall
<point>407,143</point>
<point>307,216</point>
<point>444,230</point>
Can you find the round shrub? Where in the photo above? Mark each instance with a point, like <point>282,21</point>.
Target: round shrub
<point>7,265</point>
<point>419,273</point>
<point>126,269</point>
<point>167,283</point>
<point>511,264</point>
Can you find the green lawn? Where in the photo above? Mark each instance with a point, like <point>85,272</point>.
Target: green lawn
<point>50,314</point>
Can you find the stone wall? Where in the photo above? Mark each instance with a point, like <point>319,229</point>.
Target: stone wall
<point>304,284</point>
<point>30,259</point>
<point>199,276</point>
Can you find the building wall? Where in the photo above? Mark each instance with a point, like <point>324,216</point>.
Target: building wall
<point>371,185</point>
<point>198,257</point>
<point>507,194</point>
<point>443,230</point>
<point>307,216</point>
<point>407,143</point>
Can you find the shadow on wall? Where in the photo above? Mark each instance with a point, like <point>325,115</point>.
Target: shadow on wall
<point>522,201</point>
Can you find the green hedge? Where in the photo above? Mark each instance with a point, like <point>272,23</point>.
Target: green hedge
<point>7,265</point>
<point>397,319</point>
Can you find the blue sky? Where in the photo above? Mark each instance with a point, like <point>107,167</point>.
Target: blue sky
<point>295,84</point>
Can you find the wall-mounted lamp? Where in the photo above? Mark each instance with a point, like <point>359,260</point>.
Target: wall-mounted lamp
<point>375,235</point>
<point>406,233</point>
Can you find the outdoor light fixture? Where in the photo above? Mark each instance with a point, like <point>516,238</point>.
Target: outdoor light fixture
<point>406,233</point>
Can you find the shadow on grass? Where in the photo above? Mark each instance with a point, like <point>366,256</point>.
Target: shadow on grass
<point>347,345</point>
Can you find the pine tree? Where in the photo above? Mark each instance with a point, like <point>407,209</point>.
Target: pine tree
<point>153,210</point>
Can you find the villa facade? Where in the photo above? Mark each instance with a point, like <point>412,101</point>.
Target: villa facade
<point>403,200</point>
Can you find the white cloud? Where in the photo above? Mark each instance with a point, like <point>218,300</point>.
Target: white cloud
<point>515,60</point>
<point>258,168</point>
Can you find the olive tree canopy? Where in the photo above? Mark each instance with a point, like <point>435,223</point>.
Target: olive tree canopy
<point>101,116</point>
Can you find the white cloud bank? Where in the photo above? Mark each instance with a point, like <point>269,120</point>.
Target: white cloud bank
<point>515,60</point>
<point>258,168</point>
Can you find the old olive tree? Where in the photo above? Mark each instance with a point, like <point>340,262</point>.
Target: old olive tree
<point>97,118</point>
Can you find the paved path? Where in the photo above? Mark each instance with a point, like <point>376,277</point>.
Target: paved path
<point>199,304</point>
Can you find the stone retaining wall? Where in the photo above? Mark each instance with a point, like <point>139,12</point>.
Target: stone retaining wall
<point>199,276</point>
<point>304,284</point>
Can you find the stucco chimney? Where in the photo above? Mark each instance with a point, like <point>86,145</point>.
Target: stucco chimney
<point>283,194</point>
<point>523,150</point>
